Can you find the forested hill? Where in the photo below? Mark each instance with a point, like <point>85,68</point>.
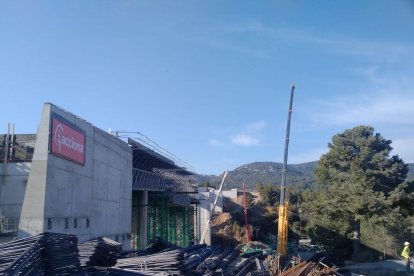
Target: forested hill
<point>299,175</point>
<point>264,173</point>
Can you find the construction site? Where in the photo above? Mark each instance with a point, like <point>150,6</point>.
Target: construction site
<point>167,138</point>
<point>77,200</point>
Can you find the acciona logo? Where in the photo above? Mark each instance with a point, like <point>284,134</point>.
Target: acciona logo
<point>63,141</point>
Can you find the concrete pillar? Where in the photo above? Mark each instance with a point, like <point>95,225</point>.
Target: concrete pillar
<point>32,220</point>
<point>134,220</point>
<point>204,216</point>
<point>143,219</point>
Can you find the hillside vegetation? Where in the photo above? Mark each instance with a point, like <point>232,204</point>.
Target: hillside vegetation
<point>300,176</point>
<point>357,200</point>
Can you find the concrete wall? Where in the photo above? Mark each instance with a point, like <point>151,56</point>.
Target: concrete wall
<point>230,193</point>
<point>12,190</point>
<point>210,195</point>
<point>207,196</point>
<point>88,200</point>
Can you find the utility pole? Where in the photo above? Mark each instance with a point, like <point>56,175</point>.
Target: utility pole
<point>283,204</point>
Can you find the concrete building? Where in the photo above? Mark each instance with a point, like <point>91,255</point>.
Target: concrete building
<point>71,177</point>
<point>14,172</point>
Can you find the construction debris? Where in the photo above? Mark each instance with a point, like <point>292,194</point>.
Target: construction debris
<point>273,264</point>
<point>60,254</point>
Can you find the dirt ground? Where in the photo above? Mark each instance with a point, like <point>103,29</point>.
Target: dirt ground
<point>231,223</point>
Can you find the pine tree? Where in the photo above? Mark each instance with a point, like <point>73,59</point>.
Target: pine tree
<point>358,180</point>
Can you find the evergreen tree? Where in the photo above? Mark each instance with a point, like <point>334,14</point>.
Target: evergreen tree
<point>358,181</point>
<point>269,193</point>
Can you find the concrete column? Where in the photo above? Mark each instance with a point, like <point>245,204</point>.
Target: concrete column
<point>143,219</point>
<point>32,219</point>
<point>204,216</point>
<point>134,219</point>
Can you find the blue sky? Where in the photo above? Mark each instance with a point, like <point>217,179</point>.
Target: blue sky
<point>210,80</point>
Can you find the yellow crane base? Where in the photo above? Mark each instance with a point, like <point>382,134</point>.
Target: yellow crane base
<point>282,231</point>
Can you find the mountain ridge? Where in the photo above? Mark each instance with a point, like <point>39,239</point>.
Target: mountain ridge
<point>300,175</point>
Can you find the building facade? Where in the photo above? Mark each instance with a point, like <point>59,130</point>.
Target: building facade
<point>72,177</point>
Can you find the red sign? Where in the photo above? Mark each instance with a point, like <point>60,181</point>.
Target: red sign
<point>67,142</point>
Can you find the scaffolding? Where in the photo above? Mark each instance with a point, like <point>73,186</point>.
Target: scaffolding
<point>170,209</point>
<point>173,223</point>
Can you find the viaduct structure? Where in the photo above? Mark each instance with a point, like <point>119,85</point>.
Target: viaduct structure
<point>71,177</point>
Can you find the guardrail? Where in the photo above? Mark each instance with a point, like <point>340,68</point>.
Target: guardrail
<point>8,225</point>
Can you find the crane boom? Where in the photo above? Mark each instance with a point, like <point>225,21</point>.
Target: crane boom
<point>284,205</point>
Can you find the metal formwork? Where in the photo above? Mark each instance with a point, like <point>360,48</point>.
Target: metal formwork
<point>172,223</point>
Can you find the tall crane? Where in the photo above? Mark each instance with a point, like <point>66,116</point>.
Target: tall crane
<point>283,208</point>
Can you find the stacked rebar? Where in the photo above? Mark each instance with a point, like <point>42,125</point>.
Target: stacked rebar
<point>231,255</point>
<point>60,254</point>
<point>99,252</point>
<point>212,261</point>
<point>43,254</point>
<point>122,272</point>
<point>162,263</point>
<point>21,257</point>
<point>158,244</point>
<point>190,249</point>
<point>196,258</point>
<point>217,262</point>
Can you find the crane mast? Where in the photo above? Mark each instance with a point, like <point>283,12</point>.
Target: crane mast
<point>283,204</point>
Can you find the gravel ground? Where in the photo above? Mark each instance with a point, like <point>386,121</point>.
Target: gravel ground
<point>388,267</point>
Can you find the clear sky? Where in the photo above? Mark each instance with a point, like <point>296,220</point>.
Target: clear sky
<point>210,80</point>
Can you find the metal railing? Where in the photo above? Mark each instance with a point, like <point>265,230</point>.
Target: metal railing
<point>8,225</point>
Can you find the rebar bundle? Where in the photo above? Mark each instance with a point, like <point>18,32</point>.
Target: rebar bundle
<point>21,256</point>
<point>196,258</point>
<point>158,244</point>
<point>60,254</point>
<point>162,263</point>
<point>228,259</point>
<point>122,272</point>
<point>190,249</point>
<point>99,252</point>
<point>43,254</point>
<point>241,265</point>
<point>214,261</point>
<point>245,268</point>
